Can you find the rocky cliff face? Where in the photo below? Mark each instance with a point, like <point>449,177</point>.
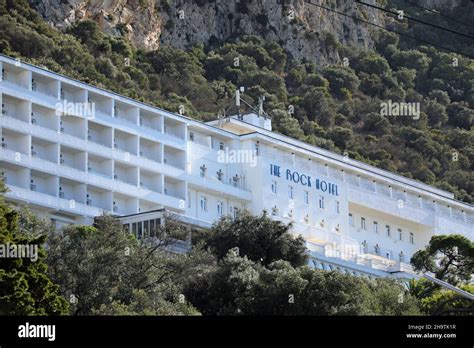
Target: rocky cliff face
<point>305,30</point>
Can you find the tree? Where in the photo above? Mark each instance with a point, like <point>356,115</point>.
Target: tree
<point>406,77</point>
<point>411,59</point>
<point>373,64</point>
<point>341,79</point>
<point>437,115</point>
<point>376,123</point>
<point>342,137</point>
<point>105,270</point>
<point>239,286</point>
<point>25,288</point>
<point>449,257</point>
<point>285,124</point>
<point>439,301</point>
<point>259,238</point>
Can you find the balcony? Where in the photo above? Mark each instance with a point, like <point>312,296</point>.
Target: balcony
<point>218,187</point>
<point>44,200</point>
<point>72,190</point>
<point>72,125</point>
<point>390,206</point>
<point>45,150</point>
<point>124,205</point>
<point>46,86</point>
<point>336,251</point>
<point>126,173</point>
<point>73,158</point>
<point>44,117</point>
<point>15,141</point>
<point>99,134</point>
<point>43,183</point>
<point>175,128</point>
<point>150,150</point>
<point>175,158</point>
<point>150,120</point>
<point>16,76</point>
<point>98,197</point>
<point>12,174</point>
<point>126,112</point>
<point>102,104</point>
<point>174,188</point>
<point>126,142</point>
<point>15,108</point>
<point>100,166</point>
<point>151,181</point>
<point>72,94</point>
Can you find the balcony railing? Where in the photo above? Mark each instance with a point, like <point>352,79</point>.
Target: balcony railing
<point>330,250</point>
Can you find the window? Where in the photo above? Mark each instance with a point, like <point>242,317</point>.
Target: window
<point>220,208</point>
<point>134,228</point>
<point>189,199</point>
<point>235,212</point>
<point>203,203</point>
<point>146,231</point>
<point>351,220</point>
<point>221,145</point>
<point>139,230</point>
<point>274,187</point>
<point>400,235</point>
<point>275,211</point>
<point>338,207</point>
<point>191,136</point>
<point>290,192</point>
<point>321,202</point>
<point>387,228</point>
<point>306,197</point>
<point>376,227</point>
<point>362,223</point>
<point>412,239</point>
<point>152,228</point>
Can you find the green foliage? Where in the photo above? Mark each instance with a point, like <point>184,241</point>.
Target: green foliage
<point>242,287</point>
<point>449,257</point>
<point>109,272</point>
<point>341,80</point>
<point>440,301</point>
<point>259,238</point>
<point>25,288</point>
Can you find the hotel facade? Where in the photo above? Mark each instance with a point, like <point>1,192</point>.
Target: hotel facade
<point>71,151</point>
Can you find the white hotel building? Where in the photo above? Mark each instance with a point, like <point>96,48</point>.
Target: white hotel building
<point>129,158</point>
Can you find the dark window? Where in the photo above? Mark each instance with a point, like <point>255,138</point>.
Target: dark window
<point>139,231</point>
<point>146,232</point>
<point>152,228</point>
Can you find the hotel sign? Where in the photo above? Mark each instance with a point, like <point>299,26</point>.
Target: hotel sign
<point>304,179</point>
